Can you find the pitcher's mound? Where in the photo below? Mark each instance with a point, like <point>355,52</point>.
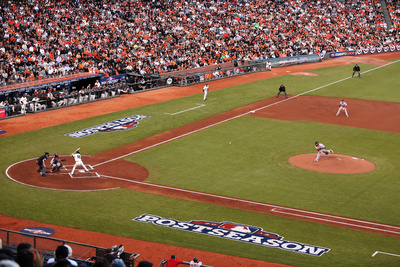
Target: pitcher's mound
<point>332,163</point>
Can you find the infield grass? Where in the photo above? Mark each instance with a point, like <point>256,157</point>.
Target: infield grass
<point>254,166</point>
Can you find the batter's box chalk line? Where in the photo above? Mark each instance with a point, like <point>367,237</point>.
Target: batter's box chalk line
<point>65,166</point>
<point>79,173</point>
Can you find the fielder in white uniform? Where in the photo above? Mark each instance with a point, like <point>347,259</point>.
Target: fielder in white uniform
<point>321,149</point>
<point>342,106</point>
<point>205,90</point>
<point>78,161</point>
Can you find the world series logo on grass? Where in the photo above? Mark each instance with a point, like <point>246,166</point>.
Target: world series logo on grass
<point>234,231</point>
<point>117,125</point>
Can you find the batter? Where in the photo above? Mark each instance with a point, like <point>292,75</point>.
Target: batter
<point>78,161</point>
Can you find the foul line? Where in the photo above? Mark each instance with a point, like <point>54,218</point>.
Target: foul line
<point>338,222</point>
<point>198,106</point>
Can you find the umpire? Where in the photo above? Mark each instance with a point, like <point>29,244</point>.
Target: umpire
<point>41,161</point>
<point>356,69</point>
<point>282,89</point>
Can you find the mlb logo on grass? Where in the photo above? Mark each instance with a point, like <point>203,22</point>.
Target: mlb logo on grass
<point>236,232</point>
<point>112,126</point>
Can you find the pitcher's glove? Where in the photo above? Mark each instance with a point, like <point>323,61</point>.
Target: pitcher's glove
<point>326,152</point>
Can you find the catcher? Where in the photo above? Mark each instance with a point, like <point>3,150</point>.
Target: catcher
<point>321,149</point>
<point>55,163</point>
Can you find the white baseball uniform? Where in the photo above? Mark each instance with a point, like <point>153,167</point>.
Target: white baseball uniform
<point>268,65</point>
<point>342,106</point>
<point>321,149</point>
<point>205,90</point>
<point>195,264</point>
<point>24,102</point>
<point>78,162</point>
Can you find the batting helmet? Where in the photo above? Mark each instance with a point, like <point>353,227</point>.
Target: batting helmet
<point>78,151</point>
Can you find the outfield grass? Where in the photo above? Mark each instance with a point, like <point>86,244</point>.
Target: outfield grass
<point>254,166</point>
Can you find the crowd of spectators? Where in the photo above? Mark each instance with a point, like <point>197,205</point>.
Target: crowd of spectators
<point>393,7</point>
<point>46,38</point>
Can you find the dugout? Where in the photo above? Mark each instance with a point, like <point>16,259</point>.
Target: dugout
<point>41,86</point>
<point>147,82</point>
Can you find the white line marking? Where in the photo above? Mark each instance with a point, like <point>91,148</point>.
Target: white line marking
<point>198,106</point>
<point>338,217</point>
<point>235,117</point>
<point>376,252</point>
<point>338,222</point>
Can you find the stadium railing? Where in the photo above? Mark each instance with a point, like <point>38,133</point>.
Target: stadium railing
<point>82,253</point>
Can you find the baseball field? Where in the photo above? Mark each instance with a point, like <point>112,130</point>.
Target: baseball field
<point>215,179</point>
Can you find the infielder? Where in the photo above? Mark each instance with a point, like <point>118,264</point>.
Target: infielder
<point>78,161</point>
<point>205,90</point>
<point>321,149</point>
<point>342,106</point>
